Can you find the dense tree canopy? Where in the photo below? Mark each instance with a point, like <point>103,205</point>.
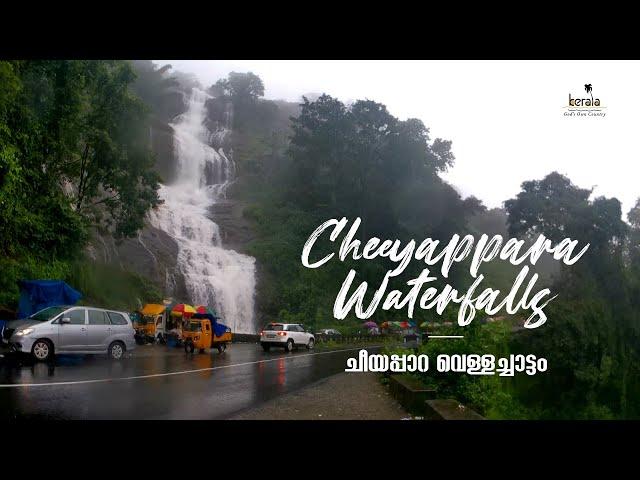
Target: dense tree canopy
<point>240,86</point>
<point>159,88</point>
<point>359,160</point>
<point>74,155</point>
<point>591,340</point>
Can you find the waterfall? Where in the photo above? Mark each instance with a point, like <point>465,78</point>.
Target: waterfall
<point>214,276</point>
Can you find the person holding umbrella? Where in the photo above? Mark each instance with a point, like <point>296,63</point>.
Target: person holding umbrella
<point>372,327</point>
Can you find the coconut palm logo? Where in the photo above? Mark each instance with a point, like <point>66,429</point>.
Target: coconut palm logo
<point>588,89</point>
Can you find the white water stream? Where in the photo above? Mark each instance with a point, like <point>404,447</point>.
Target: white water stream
<point>214,276</point>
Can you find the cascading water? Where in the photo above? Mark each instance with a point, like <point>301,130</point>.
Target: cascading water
<point>213,275</point>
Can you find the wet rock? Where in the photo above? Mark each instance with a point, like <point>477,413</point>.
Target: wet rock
<point>152,254</point>
<point>161,138</point>
<point>235,230</point>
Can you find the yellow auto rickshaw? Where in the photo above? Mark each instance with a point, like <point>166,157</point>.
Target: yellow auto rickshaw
<point>151,324</point>
<point>202,331</point>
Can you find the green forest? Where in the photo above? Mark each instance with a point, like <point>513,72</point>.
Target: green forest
<point>73,158</point>
<point>76,160</point>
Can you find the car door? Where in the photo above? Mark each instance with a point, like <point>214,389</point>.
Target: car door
<point>207,334</point>
<point>298,335</point>
<point>98,330</point>
<point>120,327</point>
<point>72,336</point>
<point>304,335</point>
<point>291,332</point>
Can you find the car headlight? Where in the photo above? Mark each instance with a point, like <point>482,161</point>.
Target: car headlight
<point>24,331</point>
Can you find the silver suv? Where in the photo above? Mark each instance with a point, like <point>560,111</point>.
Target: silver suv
<point>69,329</point>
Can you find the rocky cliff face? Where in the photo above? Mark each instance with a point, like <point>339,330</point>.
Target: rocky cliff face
<point>152,253</point>
<point>161,141</point>
<point>235,230</point>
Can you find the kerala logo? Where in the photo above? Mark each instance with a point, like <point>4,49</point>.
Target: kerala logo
<point>585,102</point>
<point>585,107</point>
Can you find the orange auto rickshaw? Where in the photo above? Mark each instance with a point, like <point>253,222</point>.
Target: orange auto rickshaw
<point>202,331</point>
<point>151,323</point>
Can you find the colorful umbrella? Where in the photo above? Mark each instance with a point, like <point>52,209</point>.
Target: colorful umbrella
<point>384,325</point>
<point>204,310</point>
<point>424,324</point>
<point>411,324</point>
<point>370,324</point>
<point>182,309</point>
<point>404,324</point>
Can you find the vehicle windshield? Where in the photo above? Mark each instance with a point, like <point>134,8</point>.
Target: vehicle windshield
<point>274,326</point>
<point>145,319</point>
<point>194,327</point>
<point>47,314</point>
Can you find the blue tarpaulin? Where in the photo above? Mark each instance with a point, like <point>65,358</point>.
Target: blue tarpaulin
<point>218,328</point>
<point>38,294</point>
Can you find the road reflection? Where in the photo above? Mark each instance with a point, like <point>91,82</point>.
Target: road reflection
<point>157,382</point>
<point>282,373</point>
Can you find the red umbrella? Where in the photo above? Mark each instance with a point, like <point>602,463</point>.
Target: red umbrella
<point>202,309</point>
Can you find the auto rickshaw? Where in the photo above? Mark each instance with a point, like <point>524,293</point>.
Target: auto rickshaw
<point>151,324</point>
<point>202,331</point>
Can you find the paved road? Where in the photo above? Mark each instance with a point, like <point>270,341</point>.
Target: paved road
<point>156,382</point>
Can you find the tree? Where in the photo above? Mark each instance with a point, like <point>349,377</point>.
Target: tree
<point>74,144</point>
<point>633,247</point>
<point>158,88</point>
<point>634,215</point>
<point>589,89</point>
<point>114,177</point>
<point>360,160</point>
<point>9,88</point>
<point>558,209</point>
<point>241,86</point>
<point>591,338</point>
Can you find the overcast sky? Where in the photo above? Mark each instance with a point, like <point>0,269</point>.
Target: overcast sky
<point>505,118</point>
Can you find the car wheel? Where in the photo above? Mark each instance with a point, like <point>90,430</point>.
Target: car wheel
<point>311,344</point>
<point>189,347</point>
<point>266,348</point>
<point>289,346</point>
<point>201,350</point>
<point>222,347</point>
<point>116,350</point>
<point>42,350</point>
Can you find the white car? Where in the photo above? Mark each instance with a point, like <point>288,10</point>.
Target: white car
<point>286,335</point>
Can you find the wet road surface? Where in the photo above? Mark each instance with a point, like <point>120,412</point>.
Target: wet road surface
<point>157,382</point>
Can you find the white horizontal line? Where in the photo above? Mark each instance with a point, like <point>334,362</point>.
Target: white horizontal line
<point>183,372</point>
